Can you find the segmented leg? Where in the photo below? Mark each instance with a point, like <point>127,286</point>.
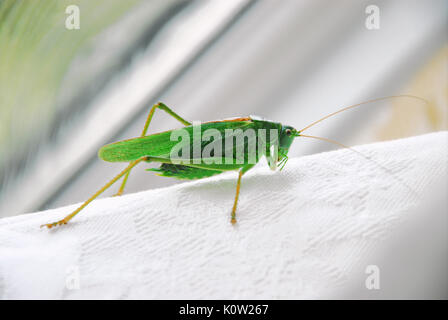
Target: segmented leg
<point>238,186</point>
<point>160,106</point>
<point>111,182</point>
<point>106,186</point>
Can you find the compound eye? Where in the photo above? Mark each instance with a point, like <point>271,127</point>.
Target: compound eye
<point>288,132</point>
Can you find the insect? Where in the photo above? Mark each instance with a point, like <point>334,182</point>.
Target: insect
<point>158,147</point>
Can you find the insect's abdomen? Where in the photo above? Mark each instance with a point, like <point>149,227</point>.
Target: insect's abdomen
<point>184,172</point>
<point>157,145</point>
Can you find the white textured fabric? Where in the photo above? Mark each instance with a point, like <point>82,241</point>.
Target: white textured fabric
<point>305,232</point>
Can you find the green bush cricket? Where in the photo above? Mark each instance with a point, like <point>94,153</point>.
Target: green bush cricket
<point>158,147</point>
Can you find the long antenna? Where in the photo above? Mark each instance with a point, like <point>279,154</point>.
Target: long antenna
<point>359,104</point>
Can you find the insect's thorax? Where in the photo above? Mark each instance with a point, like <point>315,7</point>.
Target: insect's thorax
<point>282,140</point>
<point>261,123</point>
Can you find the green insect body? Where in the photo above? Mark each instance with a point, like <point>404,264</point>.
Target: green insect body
<point>273,144</point>
<point>160,146</point>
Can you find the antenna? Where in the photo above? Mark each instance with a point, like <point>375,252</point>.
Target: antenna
<point>362,103</point>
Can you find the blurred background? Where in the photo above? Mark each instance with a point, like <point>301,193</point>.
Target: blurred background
<point>66,91</point>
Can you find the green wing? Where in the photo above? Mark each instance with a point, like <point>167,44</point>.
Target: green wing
<point>160,145</point>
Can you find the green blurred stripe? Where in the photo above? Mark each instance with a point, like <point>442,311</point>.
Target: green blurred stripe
<point>35,52</point>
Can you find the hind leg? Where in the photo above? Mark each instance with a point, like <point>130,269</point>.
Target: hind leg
<point>160,106</point>
<point>106,186</point>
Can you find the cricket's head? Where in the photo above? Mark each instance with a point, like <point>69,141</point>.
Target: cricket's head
<point>286,138</point>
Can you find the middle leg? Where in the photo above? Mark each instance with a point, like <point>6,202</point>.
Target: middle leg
<point>242,171</point>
